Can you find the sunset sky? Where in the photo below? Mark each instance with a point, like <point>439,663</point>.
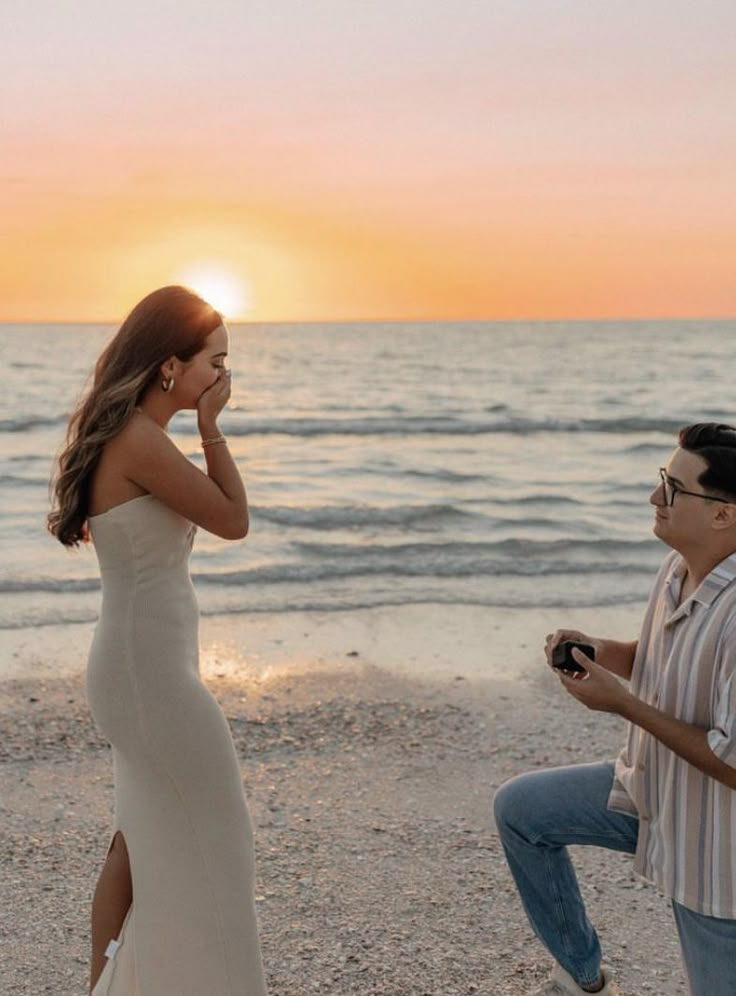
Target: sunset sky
<point>369,159</point>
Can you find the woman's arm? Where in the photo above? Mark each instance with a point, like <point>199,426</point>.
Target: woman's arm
<point>215,500</point>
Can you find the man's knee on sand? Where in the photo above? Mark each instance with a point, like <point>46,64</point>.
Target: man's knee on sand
<point>513,804</point>
<point>534,805</point>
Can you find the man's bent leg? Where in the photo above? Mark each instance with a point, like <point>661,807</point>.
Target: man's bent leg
<point>537,815</point>
<point>708,950</point>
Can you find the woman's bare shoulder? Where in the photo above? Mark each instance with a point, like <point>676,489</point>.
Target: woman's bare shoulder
<point>138,431</point>
<point>112,482</point>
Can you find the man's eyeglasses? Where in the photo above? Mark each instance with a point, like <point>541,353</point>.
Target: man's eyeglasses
<point>670,490</point>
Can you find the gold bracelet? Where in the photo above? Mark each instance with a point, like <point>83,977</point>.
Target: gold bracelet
<point>213,441</point>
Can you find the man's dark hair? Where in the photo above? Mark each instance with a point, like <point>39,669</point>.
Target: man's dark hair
<point>716,444</point>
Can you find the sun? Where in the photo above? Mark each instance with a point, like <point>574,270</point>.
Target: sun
<point>227,292</point>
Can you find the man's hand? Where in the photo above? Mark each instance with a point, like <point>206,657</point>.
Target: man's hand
<point>616,657</point>
<point>597,688</point>
<point>561,635</point>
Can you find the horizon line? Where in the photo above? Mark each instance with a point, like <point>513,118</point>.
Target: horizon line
<point>398,321</point>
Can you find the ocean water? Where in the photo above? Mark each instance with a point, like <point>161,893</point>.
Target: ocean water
<point>497,464</point>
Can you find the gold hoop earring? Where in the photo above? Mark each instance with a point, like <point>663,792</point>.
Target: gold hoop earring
<point>167,384</point>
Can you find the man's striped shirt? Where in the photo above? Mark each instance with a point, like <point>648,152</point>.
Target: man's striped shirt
<point>685,665</point>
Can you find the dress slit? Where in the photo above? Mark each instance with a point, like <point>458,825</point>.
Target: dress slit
<point>118,977</point>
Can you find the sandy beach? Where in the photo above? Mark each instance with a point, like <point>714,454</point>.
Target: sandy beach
<point>371,744</point>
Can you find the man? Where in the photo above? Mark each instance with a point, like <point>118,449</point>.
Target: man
<point>670,797</point>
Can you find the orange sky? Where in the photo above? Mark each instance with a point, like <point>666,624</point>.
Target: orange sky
<point>342,160</point>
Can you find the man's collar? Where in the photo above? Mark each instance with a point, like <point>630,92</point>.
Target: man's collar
<point>712,584</point>
<point>721,575</point>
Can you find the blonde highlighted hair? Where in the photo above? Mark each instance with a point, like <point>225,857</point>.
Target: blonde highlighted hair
<point>171,321</point>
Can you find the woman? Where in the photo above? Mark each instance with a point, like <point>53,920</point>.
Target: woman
<point>173,912</point>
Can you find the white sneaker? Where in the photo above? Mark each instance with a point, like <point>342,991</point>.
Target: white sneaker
<point>560,983</point>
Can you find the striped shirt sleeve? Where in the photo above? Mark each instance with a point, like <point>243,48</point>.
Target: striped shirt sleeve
<point>722,737</point>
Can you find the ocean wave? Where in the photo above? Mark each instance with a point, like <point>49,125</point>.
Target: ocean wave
<point>392,568</point>
<point>521,549</point>
<point>60,585</point>
<point>19,480</point>
<point>446,426</point>
<point>43,458</point>
<point>645,447</point>
<point>354,516</point>
<point>441,474</point>
<point>552,600</point>
<point>335,562</point>
<point>421,517</point>
<point>403,425</point>
<point>28,422</point>
<point>540,498</point>
<point>359,601</point>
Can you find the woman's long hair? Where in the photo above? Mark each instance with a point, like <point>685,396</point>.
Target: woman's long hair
<point>172,321</point>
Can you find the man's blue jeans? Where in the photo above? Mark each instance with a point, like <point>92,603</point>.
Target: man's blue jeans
<point>537,815</point>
